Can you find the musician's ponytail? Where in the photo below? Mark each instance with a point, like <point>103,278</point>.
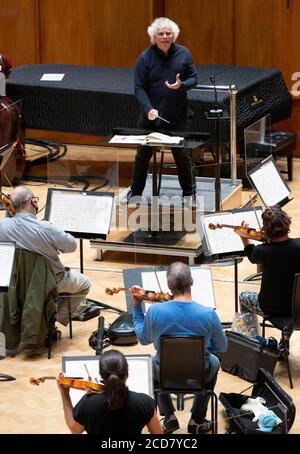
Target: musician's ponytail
<point>114,372</point>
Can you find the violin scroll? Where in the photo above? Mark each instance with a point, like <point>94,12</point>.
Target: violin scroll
<point>212,226</point>
<point>36,381</point>
<point>7,203</point>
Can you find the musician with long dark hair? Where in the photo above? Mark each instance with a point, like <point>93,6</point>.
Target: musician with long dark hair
<point>280,260</point>
<point>117,410</point>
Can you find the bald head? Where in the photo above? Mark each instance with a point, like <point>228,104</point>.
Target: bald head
<point>179,278</point>
<point>20,198</point>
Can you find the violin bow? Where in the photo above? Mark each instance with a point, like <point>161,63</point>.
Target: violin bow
<point>87,371</point>
<point>254,209</point>
<point>159,286</point>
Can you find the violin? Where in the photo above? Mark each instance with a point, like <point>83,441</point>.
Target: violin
<point>242,231</point>
<point>7,203</point>
<point>147,295</point>
<point>71,382</point>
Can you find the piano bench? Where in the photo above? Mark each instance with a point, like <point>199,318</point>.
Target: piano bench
<point>283,144</point>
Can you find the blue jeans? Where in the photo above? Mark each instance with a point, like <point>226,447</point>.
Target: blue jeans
<point>200,402</point>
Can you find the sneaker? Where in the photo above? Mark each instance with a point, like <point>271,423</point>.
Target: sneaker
<point>169,424</point>
<point>54,335</point>
<point>284,349</point>
<point>199,428</point>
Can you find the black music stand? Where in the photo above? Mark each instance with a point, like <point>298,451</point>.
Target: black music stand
<point>58,200</point>
<point>226,249</point>
<point>7,253</point>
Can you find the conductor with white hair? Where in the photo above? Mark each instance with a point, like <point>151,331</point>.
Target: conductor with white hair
<point>164,73</point>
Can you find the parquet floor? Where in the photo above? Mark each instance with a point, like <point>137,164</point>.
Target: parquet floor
<point>27,409</point>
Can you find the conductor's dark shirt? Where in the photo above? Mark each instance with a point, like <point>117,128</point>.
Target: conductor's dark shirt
<point>153,69</point>
<point>280,262</point>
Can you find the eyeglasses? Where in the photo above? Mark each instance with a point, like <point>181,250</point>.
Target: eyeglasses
<point>35,199</point>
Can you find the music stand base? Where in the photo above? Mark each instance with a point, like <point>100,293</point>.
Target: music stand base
<point>253,277</point>
<point>105,306</point>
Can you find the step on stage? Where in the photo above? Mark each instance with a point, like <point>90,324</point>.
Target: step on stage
<point>166,225</point>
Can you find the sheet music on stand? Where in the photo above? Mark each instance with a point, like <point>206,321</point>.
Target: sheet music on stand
<point>224,242</point>
<point>139,372</point>
<point>84,214</point>
<point>7,254</point>
<point>202,289</point>
<point>269,184</point>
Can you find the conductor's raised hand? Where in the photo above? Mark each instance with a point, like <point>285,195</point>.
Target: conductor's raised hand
<point>152,114</point>
<point>176,85</point>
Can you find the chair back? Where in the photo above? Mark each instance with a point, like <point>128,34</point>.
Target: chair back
<point>296,301</point>
<point>30,302</point>
<point>182,364</point>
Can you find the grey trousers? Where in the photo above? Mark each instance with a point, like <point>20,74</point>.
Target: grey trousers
<point>73,287</point>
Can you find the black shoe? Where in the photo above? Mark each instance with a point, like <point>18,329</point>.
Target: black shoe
<point>284,349</point>
<point>90,312</point>
<point>170,424</point>
<point>130,195</point>
<point>55,335</point>
<point>199,428</point>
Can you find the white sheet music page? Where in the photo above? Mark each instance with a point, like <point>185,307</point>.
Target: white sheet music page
<point>128,139</point>
<point>202,289</point>
<point>7,251</point>
<point>139,373</point>
<point>81,212</point>
<point>52,77</point>
<point>224,240</point>
<point>269,184</point>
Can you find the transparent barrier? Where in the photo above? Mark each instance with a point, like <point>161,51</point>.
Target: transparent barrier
<point>257,142</point>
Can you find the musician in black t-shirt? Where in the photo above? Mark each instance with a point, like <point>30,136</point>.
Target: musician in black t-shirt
<point>116,410</point>
<point>280,260</point>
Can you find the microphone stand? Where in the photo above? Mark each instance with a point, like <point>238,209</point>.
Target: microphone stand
<point>216,112</point>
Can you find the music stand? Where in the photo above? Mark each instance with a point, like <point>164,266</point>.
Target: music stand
<point>271,187</point>
<point>269,184</point>
<point>139,372</point>
<point>221,245</point>
<point>7,255</point>
<point>83,214</point>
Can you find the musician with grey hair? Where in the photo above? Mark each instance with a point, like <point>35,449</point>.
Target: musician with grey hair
<point>29,233</point>
<point>164,73</point>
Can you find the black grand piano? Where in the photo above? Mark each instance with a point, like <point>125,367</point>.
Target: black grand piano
<point>94,100</point>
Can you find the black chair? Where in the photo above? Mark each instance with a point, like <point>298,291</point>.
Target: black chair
<point>182,368</point>
<point>282,323</point>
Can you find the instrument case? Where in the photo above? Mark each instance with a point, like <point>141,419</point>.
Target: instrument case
<point>276,400</point>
